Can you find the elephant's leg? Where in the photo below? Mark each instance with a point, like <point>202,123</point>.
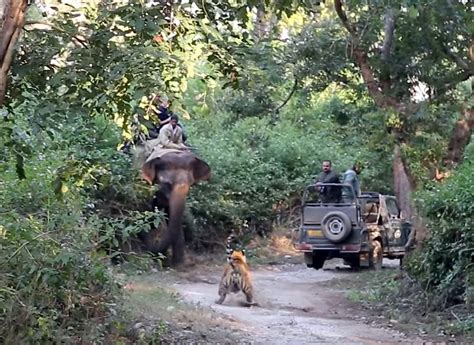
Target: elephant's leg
<point>189,228</point>
<point>160,201</point>
<point>166,241</point>
<point>178,248</point>
<point>149,239</point>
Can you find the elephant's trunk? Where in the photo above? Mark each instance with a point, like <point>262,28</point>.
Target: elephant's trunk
<point>174,233</point>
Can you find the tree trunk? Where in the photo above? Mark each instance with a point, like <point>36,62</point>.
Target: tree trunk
<point>13,18</point>
<point>460,138</point>
<point>404,187</point>
<point>264,23</point>
<point>403,184</point>
<point>378,90</point>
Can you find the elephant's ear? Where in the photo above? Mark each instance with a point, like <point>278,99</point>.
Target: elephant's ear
<point>148,172</point>
<point>201,170</point>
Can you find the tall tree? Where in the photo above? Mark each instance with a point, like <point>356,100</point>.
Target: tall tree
<point>12,13</point>
<point>399,47</point>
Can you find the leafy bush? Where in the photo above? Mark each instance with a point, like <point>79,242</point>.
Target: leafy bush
<point>259,169</point>
<point>55,284</point>
<point>444,264</point>
<point>52,282</point>
<point>51,279</point>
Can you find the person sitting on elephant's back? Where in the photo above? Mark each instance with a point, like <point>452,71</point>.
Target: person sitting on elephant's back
<point>171,135</point>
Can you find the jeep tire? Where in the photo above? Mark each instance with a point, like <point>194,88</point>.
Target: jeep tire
<point>353,262</point>
<point>318,261</point>
<point>336,226</point>
<point>315,260</point>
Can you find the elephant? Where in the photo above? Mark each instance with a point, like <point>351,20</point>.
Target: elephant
<point>175,172</point>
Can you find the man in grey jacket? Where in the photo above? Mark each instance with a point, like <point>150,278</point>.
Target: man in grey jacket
<point>351,178</point>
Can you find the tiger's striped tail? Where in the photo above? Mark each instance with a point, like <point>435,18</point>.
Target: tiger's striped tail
<point>228,247</point>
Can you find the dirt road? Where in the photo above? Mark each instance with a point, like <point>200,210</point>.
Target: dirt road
<point>296,305</point>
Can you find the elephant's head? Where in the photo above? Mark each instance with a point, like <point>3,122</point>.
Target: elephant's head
<point>175,168</point>
<point>175,172</point>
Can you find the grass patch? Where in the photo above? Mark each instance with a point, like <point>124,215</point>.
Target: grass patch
<point>374,287</point>
<point>389,297</point>
<point>145,298</point>
<point>160,316</point>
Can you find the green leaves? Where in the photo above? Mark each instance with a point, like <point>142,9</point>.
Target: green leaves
<point>257,166</point>
<point>444,264</point>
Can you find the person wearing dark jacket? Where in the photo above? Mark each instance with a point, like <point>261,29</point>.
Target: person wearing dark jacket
<point>164,114</point>
<point>329,194</point>
<point>162,109</point>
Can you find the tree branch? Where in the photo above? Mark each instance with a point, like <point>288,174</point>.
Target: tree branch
<point>295,85</point>
<point>360,56</point>
<point>9,33</point>
<point>389,29</point>
<point>343,17</point>
<point>438,46</point>
<point>35,24</point>
<point>451,81</point>
<point>385,51</point>
<point>14,17</point>
<point>455,58</point>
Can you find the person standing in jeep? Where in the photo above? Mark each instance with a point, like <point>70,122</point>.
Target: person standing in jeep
<point>351,178</point>
<point>329,194</point>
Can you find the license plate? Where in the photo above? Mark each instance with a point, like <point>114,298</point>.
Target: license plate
<point>315,233</point>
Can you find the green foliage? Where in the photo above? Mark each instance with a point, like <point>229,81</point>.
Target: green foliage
<point>426,47</point>
<point>260,169</point>
<point>51,280</point>
<point>444,263</point>
<point>55,282</point>
<point>69,200</point>
<point>375,288</point>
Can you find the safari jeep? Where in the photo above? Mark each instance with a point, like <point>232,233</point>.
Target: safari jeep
<point>361,230</point>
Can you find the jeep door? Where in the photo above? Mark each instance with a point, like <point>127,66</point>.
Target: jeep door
<point>395,232</point>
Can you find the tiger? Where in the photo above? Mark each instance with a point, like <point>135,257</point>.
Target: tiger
<point>236,275</point>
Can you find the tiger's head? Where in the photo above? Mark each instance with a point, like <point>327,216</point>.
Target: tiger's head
<point>238,256</point>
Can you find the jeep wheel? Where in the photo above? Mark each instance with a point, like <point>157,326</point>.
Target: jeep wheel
<point>336,226</point>
<point>318,261</point>
<point>376,255</point>
<point>308,259</point>
<point>354,262</point>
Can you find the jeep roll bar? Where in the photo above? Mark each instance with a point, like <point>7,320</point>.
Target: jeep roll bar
<point>342,199</point>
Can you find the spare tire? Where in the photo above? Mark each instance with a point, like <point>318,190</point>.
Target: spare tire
<point>336,226</point>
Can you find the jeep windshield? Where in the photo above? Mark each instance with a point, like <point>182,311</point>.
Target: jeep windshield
<point>392,207</point>
<point>328,193</point>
